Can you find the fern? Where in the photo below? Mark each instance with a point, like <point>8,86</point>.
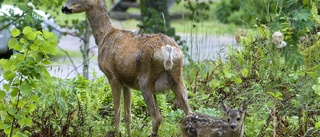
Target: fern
<point>293,58</point>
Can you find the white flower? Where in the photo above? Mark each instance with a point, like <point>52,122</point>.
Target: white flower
<point>277,38</point>
<point>282,44</point>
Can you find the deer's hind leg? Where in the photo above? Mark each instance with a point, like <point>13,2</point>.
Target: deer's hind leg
<point>178,87</point>
<point>147,87</point>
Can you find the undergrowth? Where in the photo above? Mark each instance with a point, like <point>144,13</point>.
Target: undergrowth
<point>281,85</point>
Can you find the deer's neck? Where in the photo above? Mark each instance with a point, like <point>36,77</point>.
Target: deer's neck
<point>100,23</point>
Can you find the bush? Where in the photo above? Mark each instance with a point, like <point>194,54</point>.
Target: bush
<point>281,102</point>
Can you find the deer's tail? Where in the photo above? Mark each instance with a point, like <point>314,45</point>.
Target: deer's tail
<point>168,52</point>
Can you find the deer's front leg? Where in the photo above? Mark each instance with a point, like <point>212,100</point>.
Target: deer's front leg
<point>148,92</point>
<point>116,94</point>
<point>127,109</point>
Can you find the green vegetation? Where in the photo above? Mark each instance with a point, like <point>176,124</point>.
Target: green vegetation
<point>281,85</point>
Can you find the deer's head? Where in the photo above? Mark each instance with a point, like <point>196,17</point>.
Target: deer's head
<point>78,6</point>
<point>235,116</point>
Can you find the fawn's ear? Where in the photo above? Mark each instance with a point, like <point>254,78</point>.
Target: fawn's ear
<point>224,107</point>
<point>243,108</point>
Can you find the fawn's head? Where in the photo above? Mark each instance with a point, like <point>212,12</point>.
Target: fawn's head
<point>235,116</point>
<point>78,6</point>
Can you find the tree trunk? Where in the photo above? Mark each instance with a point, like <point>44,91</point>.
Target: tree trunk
<point>85,50</point>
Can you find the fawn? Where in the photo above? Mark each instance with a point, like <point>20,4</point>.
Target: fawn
<point>200,125</point>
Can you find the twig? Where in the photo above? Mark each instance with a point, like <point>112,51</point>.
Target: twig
<point>75,68</point>
<point>81,65</point>
<point>5,26</point>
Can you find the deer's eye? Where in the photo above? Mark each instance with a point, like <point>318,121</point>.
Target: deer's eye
<point>238,119</point>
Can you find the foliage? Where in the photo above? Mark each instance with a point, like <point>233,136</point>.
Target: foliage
<point>28,17</point>
<point>291,17</point>
<point>246,12</point>
<point>22,72</point>
<point>199,9</point>
<point>281,100</point>
<point>296,22</point>
<point>36,104</point>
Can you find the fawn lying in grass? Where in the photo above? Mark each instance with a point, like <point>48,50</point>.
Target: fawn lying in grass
<point>200,125</point>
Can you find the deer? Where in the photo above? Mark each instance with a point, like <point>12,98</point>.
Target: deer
<point>201,125</point>
<point>150,63</point>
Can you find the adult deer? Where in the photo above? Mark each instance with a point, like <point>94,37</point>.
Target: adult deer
<point>146,62</point>
<point>200,125</point>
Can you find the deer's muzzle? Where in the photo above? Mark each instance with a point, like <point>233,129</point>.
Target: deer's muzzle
<point>66,10</point>
<point>233,127</point>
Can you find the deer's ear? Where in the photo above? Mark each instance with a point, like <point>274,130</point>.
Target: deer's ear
<point>224,107</point>
<point>244,107</point>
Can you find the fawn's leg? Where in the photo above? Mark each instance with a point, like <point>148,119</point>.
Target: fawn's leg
<point>127,109</point>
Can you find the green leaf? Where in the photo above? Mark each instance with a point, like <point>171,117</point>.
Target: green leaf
<point>25,88</point>
<point>27,121</point>
<point>276,95</point>
<point>215,83</point>
<point>2,94</point>
<point>6,87</point>
<point>293,58</point>
<point>21,103</point>
<point>31,107</point>
<point>23,6</point>
<point>316,89</point>
<point>15,32</point>
<point>226,89</point>
<point>8,75</point>
<point>27,30</point>
<point>14,92</point>
<point>31,36</point>
<point>2,62</point>
<point>12,111</point>
<point>317,126</point>
<point>46,62</point>
<point>6,64</point>
<point>47,34</point>
<point>13,43</point>
<point>48,48</point>
<point>302,14</point>
<point>23,41</point>
<point>238,80</point>
<point>244,72</point>
<point>33,98</point>
<point>34,47</point>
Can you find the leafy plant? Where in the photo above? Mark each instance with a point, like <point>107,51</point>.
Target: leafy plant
<point>21,73</point>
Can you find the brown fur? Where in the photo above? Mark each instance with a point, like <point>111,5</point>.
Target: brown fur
<point>200,125</point>
<point>149,62</point>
